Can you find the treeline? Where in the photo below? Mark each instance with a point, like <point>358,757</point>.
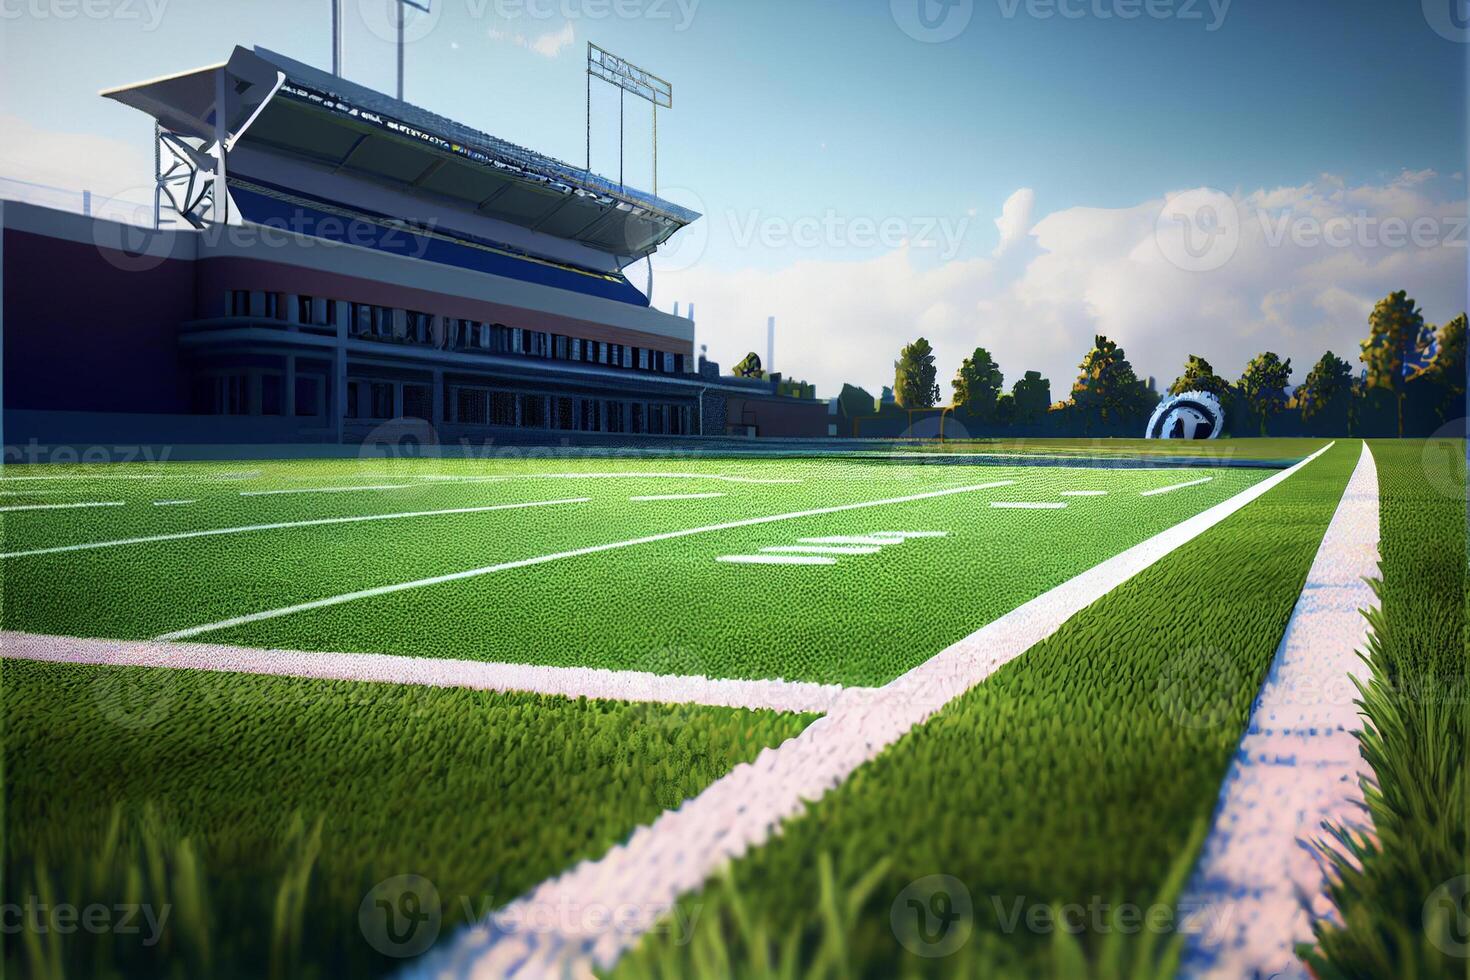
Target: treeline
<point>1411,381</point>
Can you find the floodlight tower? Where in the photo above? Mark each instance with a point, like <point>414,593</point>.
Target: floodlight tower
<point>399,6</point>
<point>627,77</point>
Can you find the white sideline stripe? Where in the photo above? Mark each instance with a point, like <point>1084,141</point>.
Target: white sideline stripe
<point>557,556</point>
<point>275,493</point>
<point>283,525</point>
<point>1084,493</point>
<point>677,496</point>
<point>95,503</point>
<point>1298,764</point>
<point>173,503</point>
<point>776,560</point>
<point>1175,486</point>
<point>824,549</point>
<point>101,476</point>
<point>682,848</point>
<point>854,539</point>
<point>571,682</point>
<point>1026,505</point>
<point>31,493</point>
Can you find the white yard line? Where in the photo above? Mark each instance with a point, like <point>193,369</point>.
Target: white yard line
<point>555,930</point>
<point>174,503</point>
<point>652,476</point>
<point>284,525</point>
<point>869,540</point>
<point>776,560</point>
<point>825,549</point>
<point>1298,764</point>
<point>571,682</point>
<point>1026,505</point>
<point>910,534</point>
<point>677,496</point>
<point>1084,493</point>
<point>276,493</point>
<point>1175,486</point>
<point>95,503</point>
<point>558,556</point>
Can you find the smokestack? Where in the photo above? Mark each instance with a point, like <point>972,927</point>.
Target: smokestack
<point>770,344</point>
<point>691,312</point>
<point>676,307</point>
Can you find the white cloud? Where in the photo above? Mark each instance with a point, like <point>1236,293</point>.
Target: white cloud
<point>548,45</point>
<point>1093,270</point>
<point>1015,218</point>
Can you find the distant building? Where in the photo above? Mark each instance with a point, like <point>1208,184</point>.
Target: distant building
<point>351,260</point>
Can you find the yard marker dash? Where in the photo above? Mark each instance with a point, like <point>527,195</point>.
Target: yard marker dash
<point>1027,505</point>
<point>776,560</point>
<point>676,496</point>
<point>682,848</point>
<point>656,476</point>
<point>823,549</point>
<point>91,503</point>
<point>1084,493</point>
<point>1175,486</point>
<point>283,525</point>
<point>560,555</point>
<point>376,486</point>
<point>387,668</point>
<point>910,534</point>
<point>173,503</point>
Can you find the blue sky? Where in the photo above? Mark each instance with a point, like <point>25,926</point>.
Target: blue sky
<point>830,111</point>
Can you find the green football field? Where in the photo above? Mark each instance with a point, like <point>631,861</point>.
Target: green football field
<point>264,809</point>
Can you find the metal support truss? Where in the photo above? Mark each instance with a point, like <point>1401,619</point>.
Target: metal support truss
<point>185,178</point>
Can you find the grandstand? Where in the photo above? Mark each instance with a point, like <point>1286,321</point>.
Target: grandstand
<point>327,259</point>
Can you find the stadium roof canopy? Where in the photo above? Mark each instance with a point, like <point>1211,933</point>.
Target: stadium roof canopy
<point>279,106</point>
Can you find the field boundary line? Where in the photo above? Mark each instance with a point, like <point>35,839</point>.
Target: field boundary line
<point>469,573</point>
<point>385,668</point>
<point>281,526</point>
<point>1298,764</point>
<point>554,930</point>
<point>90,503</point>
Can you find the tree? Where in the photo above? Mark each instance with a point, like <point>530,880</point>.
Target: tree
<point>1397,343</point>
<point>1005,409</point>
<point>977,384</point>
<point>1446,371</point>
<point>914,384</point>
<point>1106,388</point>
<point>1326,394</point>
<point>1264,385</point>
<point>1033,396</point>
<point>854,402</point>
<point>1199,376</point>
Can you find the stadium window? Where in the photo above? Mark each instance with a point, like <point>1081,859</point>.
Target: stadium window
<point>471,405</point>
<point>382,323</point>
<point>418,402</point>
<point>635,418</point>
<point>238,303</point>
<point>304,310</point>
<point>271,306</point>
<point>679,364</point>
<point>354,399</point>
<point>271,390</point>
<point>309,389</point>
<point>643,358</point>
<point>559,348</point>
<point>533,411</point>
<point>360,319</point>
<point>502,408</point>
<point>564,417</point>
<point>380,394</point>
<point>418,327</point>
<point>668,363</point>
<point>615,416</point>
<point>601,352</point>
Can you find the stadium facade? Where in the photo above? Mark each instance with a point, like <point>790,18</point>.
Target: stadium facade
<point>332,260</point>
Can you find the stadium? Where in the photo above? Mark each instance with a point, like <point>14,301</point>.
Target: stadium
<point>388,588</point>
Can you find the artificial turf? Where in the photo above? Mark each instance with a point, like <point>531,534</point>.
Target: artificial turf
<point>1403,886</point>
<point>1079,777</point>
<point>664,606</point>
<point>482,794</point>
